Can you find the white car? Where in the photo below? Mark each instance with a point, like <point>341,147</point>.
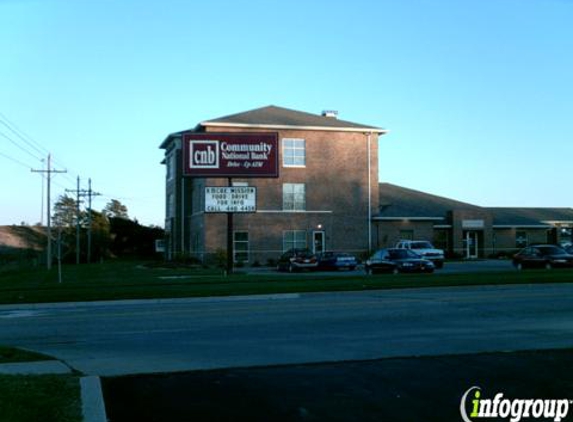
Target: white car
<point>425,249</point>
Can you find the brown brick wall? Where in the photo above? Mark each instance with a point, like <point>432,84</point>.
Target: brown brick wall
<point>336,180</point>
<point>389,231</point>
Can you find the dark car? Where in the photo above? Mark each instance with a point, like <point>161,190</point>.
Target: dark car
<point>569,249</point>
<point>542,256</point>
<point>297,260</point>
<point>398,260</point>
<point>337,261</point>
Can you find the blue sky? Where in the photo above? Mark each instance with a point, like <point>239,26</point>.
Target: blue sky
<point>477,95</point>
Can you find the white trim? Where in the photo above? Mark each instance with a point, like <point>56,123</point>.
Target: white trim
<point>284,156</point>
<point>555,222</point>
<point>322,232</point>
<point>291,127</point>
<point>521,226</point>
<point>408,218</point>
<point>292,212</point>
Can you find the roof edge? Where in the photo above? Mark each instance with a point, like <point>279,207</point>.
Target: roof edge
<point>293,127</point>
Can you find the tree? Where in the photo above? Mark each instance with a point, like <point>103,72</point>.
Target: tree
<point>65,210</point>
<point>115,209</point>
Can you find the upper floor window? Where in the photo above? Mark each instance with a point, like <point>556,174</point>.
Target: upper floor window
<point>170,164</point>
<point>294,197</point>
<point>294,152</point>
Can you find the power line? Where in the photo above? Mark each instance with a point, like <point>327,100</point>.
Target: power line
<point>15,161</point>
<point>22,135</point>
<point>31,142</point>
<point>19,146</point>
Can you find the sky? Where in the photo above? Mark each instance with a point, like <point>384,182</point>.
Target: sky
<point>477,95</point>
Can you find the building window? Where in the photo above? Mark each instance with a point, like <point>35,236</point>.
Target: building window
<point>406,234</point>
<point>241,246</point>
<point>170,206</point>
<point>294,152</point>
<point>294,197</point>
<point>294,239</point>
<point>170,163</point>
<point>520,239</point>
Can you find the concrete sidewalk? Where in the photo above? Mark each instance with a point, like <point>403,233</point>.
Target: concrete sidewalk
<point>44,367</point>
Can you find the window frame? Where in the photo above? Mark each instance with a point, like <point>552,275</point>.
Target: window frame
<point>242,242</point>
<point>294,243</point>
<point>290,197</point>
<point>286,155</point>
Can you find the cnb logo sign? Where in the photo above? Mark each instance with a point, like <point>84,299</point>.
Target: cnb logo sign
<point>204,154</point>
<point>231,154</point>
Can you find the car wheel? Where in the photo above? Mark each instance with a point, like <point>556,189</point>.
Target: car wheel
<point>290,268</point>
<point>548,266</point>
<point>519,266</point>
<point>395,270</point>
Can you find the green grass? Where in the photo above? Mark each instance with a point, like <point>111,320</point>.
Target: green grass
<point>46,398</point>
<point>131,280</point>
<point>14,355</point>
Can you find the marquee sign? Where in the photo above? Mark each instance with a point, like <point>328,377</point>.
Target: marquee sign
<point>252,154</point>
<point>231,199</point>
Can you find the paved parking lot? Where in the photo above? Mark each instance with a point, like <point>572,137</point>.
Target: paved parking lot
<point>452,267</point>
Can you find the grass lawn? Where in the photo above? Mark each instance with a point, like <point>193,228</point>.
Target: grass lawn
<point>46,398</point>
<point>14,355</point>
<point>132,280</point>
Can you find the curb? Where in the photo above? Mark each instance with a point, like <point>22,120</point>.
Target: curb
<point>93,406</point>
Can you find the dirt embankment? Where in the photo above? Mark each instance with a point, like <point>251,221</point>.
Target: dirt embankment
<point>22,237</point>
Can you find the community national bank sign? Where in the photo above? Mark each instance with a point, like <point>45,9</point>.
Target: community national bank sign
<point>231,154</point>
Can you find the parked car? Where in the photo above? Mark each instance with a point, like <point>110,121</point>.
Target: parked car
<point>425,249</point>
<point>542,256</point>
<point>297,260</point>
<point>569,249</point>
<point>337,261</point>
<point>395,261</point>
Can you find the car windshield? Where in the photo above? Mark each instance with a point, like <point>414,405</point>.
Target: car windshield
<point>422,245</point>
<point>550,250</point>
<point>402,254</point>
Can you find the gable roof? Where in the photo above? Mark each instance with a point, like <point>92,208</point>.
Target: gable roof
<point>273,117</point>
<point>398,202</point>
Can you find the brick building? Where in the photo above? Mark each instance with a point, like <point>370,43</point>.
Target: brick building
<point>324,197</point>
<point>464,229</point>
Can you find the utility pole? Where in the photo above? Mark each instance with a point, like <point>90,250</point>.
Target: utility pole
<point>49,172</point>
<point>90,194</point>
<point>77,192</point>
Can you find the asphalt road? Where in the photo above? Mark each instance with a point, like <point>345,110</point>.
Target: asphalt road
<point>189,334</point>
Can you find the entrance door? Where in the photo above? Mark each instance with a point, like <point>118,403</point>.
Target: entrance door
<point>471,241</point>
<point>318,242</point>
